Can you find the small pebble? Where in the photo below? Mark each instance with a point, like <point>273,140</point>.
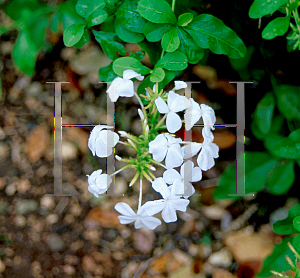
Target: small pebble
<point>69,270</point>
<point>23,186</point>
<point>52,218</point>
<point>55,243</point>
<point>11,189</point>
<point>26,206</point>
<point>222,258</point>
<point>47,202</point>
<point>20,221</point>
<point>2,266</point>
<point>69,151</point>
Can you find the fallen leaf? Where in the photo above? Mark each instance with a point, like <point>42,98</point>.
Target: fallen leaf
<point>104,217</point>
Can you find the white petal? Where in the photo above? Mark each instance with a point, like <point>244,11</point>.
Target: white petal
<point>128,74</point>
<point>158,147</point>
<point>197,174</point>
<point>93,190</point>
<point>208,114</point>
<point>141,114</point>
<point>179,104</point>
<point>109,137</point>
<point>126,90</point>
<point>174,157</point>
<point>191,149</point>
<point>173,122</point>
<point>153,207</point>
<point>150,222</point>
<point>113,89</point>
<point>169,214</point>
<point>102,150</point>
<point>186,170</point>
<point>171,97</point>
<point>180,204</point>
<point>160,186</point>
<point>205,160</point>
<point>172,140</point>
<point>162,107</point>
<point>207,134</point>
<point>126,219</point>
<point>125,209</point>
<point>213,150</point>
<point>93,136</point>
<point>177,188</point>
<point>103,181</point>
<point>92,178</point>
<point>188,190</point>
<point>138,224</point>
<point>170,176</point>
<point>180,85</point>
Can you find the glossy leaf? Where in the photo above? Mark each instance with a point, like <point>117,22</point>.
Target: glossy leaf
<point>157,75</point>
<point>126,35</point>
<point>126,63</point>
<point>84,39</point>
<point>285,147</point>
<point>154,32</point>
<point>109,45</point>
<point>68,14</point>
<point>257,164</point>
<point>73,34</point>
<point>170,40</point>
<point>153,50</point>
<point>296,223</point>
<point>260,8</point>
<point>210,32</point>
<point>85,7</point>
<point>129,16</point>
<point>25,52</point>
<point>187,45</point>
<point>275,28</point>
<point>281,177</point>
<point>184,19</point>
<point>157,11</point>
<point>263,113</point>
<point>173,61</point>
<point>276,261</point>
<point>285,226</point>
<point>106,74</point>
<point>96,17</point>
<point>296,243</point>
<point>288,101</point>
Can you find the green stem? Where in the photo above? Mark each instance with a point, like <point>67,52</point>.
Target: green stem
<point>141,192</point>
<point>162,53</point>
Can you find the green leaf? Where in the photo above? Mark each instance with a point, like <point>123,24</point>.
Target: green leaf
<point>296,223</point>
<point>157,75</point>
<point>210,32</point>
<point>157,11</point>
<point>154,32</point>
<point>169,76</point>
<point>25,53</point>
<point>288,101</point>
<point>84,39</point>
<point>170,41</point>
<point>242,63</point>
<point>109,45</point>
<point>85,7</point>
<point>263,113</point>
<point>173,61</point>
<point>129,16</point>
<point>184,19</point>
<point>106,74</point>
<point>275,28</point>
<point>276,261</point>
<point>285,147</point>
<point>125,63</point>
<point>126,35</point>
<point>260,8</point>
<point>96,17</point>
<point>293,5</point>
<point>68,14</point>
<point>257,166</point>
<point>189,47</point>
<point>281,177</point>
<point>73,34</point>
<point>296,243</point>
<point>153,50</point>
<point>285,226</point>
<point>108,25</point>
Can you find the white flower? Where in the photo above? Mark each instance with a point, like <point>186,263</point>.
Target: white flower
<point>141,219</point>
<point>180,85</point>
<point>208,152</point>
<point>170,202</point>
<point>188,174</point>
<point>123,86</point>
<point>98,184</point>
<point>176,103</point>
<point>166,146</point>
<point>99,141</point>
<point>195,112</point>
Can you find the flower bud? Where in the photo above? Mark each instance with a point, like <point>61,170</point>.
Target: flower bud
<point>141,114</point>
<point>123,133</point>
<point>118,158</point>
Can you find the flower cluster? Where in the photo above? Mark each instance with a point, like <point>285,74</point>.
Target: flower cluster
<point>153,147</point>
